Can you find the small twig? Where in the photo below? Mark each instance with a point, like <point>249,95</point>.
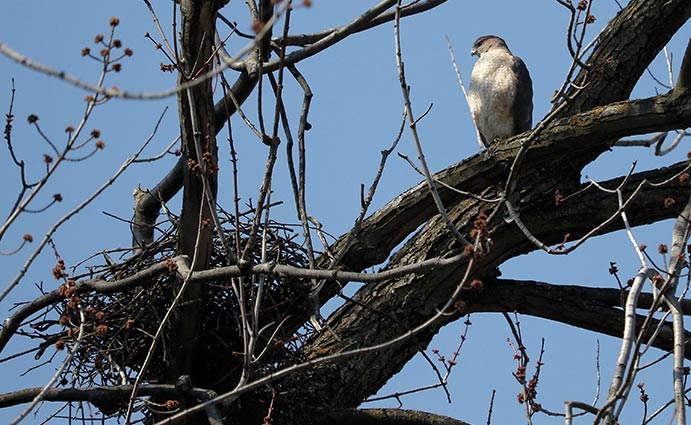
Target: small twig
<point>183,268</point>
<point>405,89</point>
<point>491,407</point>
<point>157,23</point>
<point>72,213</point>
<point>37,399</point>
<point>465,93</point>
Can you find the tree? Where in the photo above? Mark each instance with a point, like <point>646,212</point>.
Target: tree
<point>216,317</point>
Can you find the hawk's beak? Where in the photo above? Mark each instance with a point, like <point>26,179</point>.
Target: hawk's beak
<point>473,52</point>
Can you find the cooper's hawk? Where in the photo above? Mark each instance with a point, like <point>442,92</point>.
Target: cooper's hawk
<point>501,91</point>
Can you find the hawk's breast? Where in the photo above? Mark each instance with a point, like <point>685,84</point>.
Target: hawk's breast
<point>491,96</point>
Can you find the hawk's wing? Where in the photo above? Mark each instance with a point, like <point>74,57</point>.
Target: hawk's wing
<point>523,102</point>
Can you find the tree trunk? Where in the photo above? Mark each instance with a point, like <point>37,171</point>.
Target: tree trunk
<point>195,228</point>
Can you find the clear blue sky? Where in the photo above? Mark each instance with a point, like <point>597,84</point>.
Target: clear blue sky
<point>355,113</point>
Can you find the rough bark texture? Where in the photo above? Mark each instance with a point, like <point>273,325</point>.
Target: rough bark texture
<point>196,111</point>
<point>388,309</point>
<point>595,309</point>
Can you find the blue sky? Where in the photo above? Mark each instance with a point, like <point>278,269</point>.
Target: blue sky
<point>355,113</point>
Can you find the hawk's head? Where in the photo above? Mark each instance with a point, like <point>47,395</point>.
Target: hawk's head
<point>486,42</point>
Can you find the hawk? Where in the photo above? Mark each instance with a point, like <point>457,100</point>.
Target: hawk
<point>501,91</point>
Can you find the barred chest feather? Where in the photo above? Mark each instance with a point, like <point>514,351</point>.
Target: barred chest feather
<point>492,94</point>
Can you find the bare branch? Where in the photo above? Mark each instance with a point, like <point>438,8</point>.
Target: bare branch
<point>385,417</point>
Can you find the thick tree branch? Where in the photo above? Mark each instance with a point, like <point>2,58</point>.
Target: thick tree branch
<point>595,309</point>
<point>684,80</point>
<point>96,395</point>
<point>412,299</point>
<point>384,417</point>
<point>111,398</point>
<point>390,225</point>
<point>625,49</point>
<point>200,180</point>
